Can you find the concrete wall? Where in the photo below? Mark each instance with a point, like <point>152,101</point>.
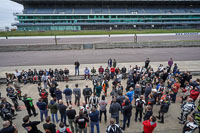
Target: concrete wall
<point>47,47</point>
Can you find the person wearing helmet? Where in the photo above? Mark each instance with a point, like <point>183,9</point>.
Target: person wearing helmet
<point>190,126</point>
<point>187,108</point>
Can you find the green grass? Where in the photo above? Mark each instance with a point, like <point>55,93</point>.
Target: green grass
<point>93,32</point>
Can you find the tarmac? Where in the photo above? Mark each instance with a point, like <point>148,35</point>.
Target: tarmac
<point>171,122</point>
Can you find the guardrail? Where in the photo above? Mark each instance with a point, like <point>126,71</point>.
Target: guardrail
<point>109,35</point>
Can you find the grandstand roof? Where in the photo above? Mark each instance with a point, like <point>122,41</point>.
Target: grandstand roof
<point>61,1</point>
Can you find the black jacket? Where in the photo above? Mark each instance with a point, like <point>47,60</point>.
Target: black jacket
<point>127,109</point>
<point>62,108</point>
<point>147,115</point>
<point>164,106</point>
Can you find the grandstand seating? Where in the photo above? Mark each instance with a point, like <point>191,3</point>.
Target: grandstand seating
<point>111,10</point>
<point>82,11</point>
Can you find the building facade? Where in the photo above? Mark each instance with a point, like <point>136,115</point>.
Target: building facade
<point>107,14</point>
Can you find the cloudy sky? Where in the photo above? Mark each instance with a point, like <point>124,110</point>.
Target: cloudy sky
<point>7,8</point>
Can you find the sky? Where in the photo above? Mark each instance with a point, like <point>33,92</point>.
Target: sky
<point>7,8</point>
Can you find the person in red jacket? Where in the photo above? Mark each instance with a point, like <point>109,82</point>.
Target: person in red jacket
<point>175,88</point>
<point>194,93</point>
<point>112,72</point>
<point>149,125</point>
<point>44,95</point>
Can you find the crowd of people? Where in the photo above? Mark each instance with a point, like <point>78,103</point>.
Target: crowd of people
<point>145,88</point>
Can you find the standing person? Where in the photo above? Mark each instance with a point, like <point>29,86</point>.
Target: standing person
<point>53,106</point>
<point>113,128</point>
<point>149,125</point>
<point>114,63</point>
<point>139,108</point>
<point>147,63</point>
<point>127,113</point>
<point>28,102</point>
<point>77,64</point>
<point>187,108</point>
<point>170,63</point>
<point>39,87</point>
<point>87,92</point>
<point>48,126</point>
<point>63,129</point>
<point>62,109</point>
<point>43,109</point>
<point>114,110</point>
<point>82,120</point>
<point>112,72</point>
<point>94,101</point>
<point>163,109</point>
<point>98,90</point>
<point>148,112</point>
<point>175,88</point>
<point>138,91</point>
<point>103,103</point>
<point>77,94</point>
<point>130,94</point>
<point>68,95</point>
<point>95,83</point>
<point>94,120</point>
<point>110,62</point>
<point>44,79</point>
<point>175,69</point>
<point>44,95</point>
<point>105,86</point>
<point>123,70</point>
<point>71,113</point>
<point>87,73</point>
<point>58,94</point>
<point>147,91</point>
<point>29,126</point>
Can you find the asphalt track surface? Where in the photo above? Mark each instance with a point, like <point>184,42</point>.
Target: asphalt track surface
<point>62,57</point>
<point>97,39</point>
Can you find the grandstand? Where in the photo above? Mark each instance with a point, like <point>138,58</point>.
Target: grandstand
<point>107,14</point>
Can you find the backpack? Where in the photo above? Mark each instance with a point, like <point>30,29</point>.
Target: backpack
<point>119,90</point>
<point>114,129</point>
<point>94,100</point>
<point>140,103</point>
<point>66,131</point>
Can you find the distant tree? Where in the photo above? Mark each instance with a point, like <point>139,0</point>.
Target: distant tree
<point>7,28</point>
